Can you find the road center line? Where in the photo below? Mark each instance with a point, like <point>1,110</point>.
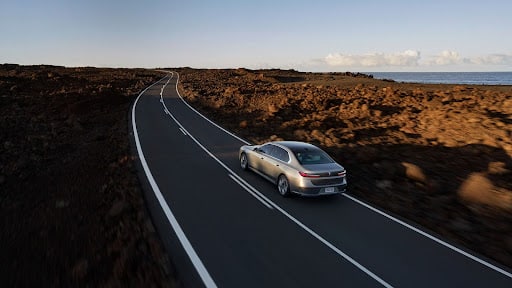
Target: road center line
<point>251,192</point>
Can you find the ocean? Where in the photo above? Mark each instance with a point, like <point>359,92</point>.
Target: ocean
<point>479,78</point>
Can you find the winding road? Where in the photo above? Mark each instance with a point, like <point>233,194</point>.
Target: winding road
<point>226,227</point>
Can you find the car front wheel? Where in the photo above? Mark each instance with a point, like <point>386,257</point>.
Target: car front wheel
<point>244,163</point>
<point>283,186</point>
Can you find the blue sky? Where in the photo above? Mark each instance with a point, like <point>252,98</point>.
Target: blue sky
<point>321,35</point>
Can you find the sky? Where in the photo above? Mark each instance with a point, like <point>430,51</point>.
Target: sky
<point>319,35</point>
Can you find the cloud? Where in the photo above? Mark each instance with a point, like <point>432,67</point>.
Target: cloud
<point>406,58</point>
<point>411,59</point>
<point>445,58</point>
<point>453,58</point>
<point>492,59</point>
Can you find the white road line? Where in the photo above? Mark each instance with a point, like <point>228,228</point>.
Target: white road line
<point>448,245</point>
<point>194,258</point>
<point>182,131</point>
<point>204,117</point>
<point>472,257</point>
<point>257,194</point>
<point>246,184</point>
<point>293,219</point>
<point>249,190</point>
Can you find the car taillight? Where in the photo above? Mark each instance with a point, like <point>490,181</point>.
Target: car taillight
<point>309,175</point>
<point>342,173</point>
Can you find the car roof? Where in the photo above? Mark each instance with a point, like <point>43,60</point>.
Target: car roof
<point>295,145</point>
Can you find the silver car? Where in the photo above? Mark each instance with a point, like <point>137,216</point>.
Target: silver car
<point>295,167</point>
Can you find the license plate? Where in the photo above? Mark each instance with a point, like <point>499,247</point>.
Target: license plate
<point>329,189</point>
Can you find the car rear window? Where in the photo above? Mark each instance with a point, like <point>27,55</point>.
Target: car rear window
<point>312,156</point>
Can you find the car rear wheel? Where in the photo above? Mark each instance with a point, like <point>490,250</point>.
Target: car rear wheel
<point>283,186</point>
<point>244,163</point>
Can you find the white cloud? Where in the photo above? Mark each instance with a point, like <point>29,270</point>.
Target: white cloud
<point>410,59</point>
<point>406,58</point>
<point>492,59</point>
<point>445,58</point>
<point>453,58</point>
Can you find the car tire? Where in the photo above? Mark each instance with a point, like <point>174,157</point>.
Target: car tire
<point>283,186</point>
<point>244,162</point>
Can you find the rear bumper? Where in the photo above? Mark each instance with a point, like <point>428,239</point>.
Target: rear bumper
<point>319,191</point>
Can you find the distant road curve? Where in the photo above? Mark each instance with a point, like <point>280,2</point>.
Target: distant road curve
<point>230,228</point>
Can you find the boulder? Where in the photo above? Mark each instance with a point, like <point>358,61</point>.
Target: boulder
<point>414,172</point>
<point>479,189</point>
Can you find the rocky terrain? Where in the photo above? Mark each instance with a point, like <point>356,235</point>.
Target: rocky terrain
<point>436,155</point>
<point>71,210</point>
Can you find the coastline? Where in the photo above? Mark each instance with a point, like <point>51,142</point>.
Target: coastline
<point>460,78</point>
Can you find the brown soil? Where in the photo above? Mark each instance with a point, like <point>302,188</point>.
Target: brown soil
<point>437,155</point>
<point>71,210</point>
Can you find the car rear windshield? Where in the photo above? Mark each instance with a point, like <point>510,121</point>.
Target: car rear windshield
<point>308,156</point>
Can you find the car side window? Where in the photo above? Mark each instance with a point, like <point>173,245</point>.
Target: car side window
<point>272,150</point>
<point>265,149</point>
<point>280,154</point>
<point>283,155</point>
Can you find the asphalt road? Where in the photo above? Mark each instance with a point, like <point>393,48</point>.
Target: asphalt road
<point>232,229</point>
